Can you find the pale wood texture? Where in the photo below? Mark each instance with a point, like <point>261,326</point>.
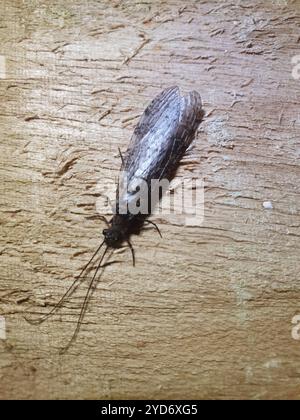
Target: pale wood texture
<point>207,311</point>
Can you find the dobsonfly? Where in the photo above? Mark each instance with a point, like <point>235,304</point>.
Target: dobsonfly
<point>160,139</point>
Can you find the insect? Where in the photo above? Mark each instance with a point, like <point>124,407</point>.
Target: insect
<point>160,139</point>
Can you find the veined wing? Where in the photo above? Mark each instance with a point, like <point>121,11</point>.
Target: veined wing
<point>163,134</point>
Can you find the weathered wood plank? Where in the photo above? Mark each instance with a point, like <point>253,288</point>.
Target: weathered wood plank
<point>207,311</point>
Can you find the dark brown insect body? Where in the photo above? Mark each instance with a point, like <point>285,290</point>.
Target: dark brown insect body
<point>159,141</point>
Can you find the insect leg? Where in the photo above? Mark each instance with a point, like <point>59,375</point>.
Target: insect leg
<point>104,219</point>
<point>132,252</point>
<point>121,156</point>
<point>155,225</point>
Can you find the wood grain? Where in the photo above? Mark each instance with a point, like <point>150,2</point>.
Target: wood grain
<point>207,311</point>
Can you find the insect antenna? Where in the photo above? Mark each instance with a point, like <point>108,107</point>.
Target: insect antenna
<point>68,293</point>
<point>89,292</point>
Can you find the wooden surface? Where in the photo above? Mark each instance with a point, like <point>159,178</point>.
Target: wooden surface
<point>207,312</point>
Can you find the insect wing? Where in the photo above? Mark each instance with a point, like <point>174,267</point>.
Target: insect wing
<point>159,141</point>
